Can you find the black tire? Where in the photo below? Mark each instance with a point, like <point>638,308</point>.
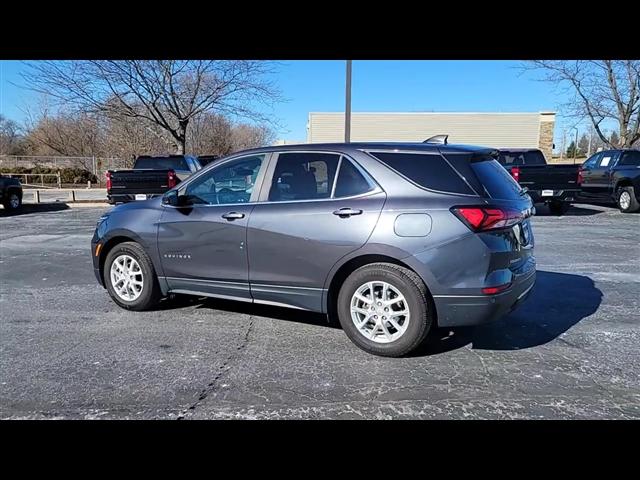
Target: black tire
<point>559,208</point>
<point>633,205</point>
<point>13,202</point>
<point>150,294</point>
<point>418,300</point>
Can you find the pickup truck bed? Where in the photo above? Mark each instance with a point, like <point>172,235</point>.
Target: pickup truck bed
<point>150,177</point>
<point>555,185</point>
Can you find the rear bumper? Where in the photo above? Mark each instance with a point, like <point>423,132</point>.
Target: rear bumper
<point>467,310</point>
<point>558,196</point>
<point>125,197</point>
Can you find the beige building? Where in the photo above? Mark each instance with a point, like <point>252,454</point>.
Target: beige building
<point>525,130</point>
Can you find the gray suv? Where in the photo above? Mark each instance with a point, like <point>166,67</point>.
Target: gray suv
<point>391,239</point>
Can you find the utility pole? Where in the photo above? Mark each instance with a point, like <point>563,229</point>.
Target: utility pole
<point>347,108</point>
<point>564,139</point>
<point>589,147</point>
<point>575,150</point>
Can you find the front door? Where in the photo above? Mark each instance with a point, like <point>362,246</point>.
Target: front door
<point>202,246</point>
<point>305,222</point>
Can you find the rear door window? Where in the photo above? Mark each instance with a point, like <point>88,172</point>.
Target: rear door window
<point>303,176</point>
<point>630,158</point>
<point>432,172</point>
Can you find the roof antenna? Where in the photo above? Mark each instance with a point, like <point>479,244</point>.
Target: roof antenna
<point>441,139</point>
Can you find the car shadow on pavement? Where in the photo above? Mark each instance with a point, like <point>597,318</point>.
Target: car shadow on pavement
<point>27,208</point>
<point>574,211</point>
<point>558,302</point>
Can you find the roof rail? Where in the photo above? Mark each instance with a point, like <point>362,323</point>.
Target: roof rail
<point>441,139</point>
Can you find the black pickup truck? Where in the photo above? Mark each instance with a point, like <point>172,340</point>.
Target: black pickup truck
<point>555,185</point>
<point>10,193</point>
<point>612,176</point>
<point>151,176</point>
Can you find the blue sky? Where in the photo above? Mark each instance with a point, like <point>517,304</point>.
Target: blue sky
<point>378,85</point>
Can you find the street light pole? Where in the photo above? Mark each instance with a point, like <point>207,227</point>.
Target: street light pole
<point>347,108</point>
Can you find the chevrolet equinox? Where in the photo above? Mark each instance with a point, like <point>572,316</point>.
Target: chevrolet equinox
<point>390,239</point>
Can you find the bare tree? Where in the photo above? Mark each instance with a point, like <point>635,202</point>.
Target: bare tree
<point>10,137</point>
<point>213,134</point>
<point>165,94</point>
<point>603,90</point>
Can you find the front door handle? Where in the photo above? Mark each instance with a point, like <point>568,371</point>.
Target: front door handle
<point>347,212</point>
<point>233,216</point>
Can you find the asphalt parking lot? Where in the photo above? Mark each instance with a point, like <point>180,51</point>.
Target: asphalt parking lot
<point>67,351</point>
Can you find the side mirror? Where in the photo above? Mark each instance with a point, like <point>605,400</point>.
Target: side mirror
<point>174,199</point>
<point>170,198</point>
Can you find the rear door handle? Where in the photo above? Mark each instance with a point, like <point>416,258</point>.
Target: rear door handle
<point>347,212</point>
<point>233,216</point>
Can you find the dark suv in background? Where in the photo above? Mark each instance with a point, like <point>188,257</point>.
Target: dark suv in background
<point>10,193</point>
<point>612,176</point>
<point>392,239</point>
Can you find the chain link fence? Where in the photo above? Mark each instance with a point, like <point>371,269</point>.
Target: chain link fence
<point>95,165</point>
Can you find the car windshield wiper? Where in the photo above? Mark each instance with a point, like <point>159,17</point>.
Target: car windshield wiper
<point>523,191</point>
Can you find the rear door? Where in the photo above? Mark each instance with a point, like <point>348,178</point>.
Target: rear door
<point>589,176</point>
<point>305,222</point>
<point>600,179</point>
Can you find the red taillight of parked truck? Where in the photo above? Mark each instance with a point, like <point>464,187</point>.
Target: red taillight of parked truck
<point>108,177</point>
<point>171,179</point>
<point>580,178</point>
<point>515,173</point>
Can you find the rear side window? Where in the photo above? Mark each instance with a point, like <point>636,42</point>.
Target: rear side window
<point>631,158</point>
<point>495,179</point>
<point>428,171</point>
<point>350,181</point>
<point>162,163</point>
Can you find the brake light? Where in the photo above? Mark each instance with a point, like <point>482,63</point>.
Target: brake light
<point>487,218</point>
<point>108,177</point>
<point>580,177</point>
<point>171,179</point>
<point>494,290</point>
<point>515,173</point>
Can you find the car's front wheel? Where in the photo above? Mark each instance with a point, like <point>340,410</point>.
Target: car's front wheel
<point>627,202</point>
<point>130,277</point>
<point>385,309</point>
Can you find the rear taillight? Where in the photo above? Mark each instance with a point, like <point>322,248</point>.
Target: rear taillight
<point>580,178</point>
<point>494,290</point>
<point>171,179</point>
<point>108,177</point>
<point>515,173</point>
<point>480,219</point>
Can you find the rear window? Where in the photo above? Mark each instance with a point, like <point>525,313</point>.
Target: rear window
<point>162,163</point>
<point>509,158</point>
<point>428,171</point>
<point>496,180</point>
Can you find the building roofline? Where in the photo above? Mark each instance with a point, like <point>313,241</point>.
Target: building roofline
<point>544,112</point>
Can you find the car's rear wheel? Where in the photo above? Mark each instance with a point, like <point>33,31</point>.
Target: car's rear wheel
<point>13,202</point>
<point>558,208</point>
<point>130,277</point>
<point>627,202</point>
<point>385,309</point>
